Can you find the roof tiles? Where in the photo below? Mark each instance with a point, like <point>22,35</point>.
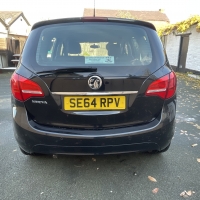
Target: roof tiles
<point>139,15</point>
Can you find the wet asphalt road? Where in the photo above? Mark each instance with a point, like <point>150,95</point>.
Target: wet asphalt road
<point>123,177</point>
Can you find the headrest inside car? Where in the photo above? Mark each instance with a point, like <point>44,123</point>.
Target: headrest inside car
<point>113,49</point>
<point>74,47</point>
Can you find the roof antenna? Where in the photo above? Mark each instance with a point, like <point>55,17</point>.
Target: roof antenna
<point>94,9</point>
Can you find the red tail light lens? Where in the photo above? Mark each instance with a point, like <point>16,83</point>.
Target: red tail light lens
<point>23,88</point>
<point>14,82</point>
<point>172,85</point>
<point>164,87</point>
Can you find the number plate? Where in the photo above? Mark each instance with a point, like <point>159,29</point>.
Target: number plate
<point>94,103</point>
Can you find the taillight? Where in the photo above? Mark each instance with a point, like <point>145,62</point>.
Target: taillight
<point>23,88</point>
<point>172,85</point>
<point>164,87</point>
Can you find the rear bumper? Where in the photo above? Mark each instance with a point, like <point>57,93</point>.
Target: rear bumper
<point>156,135</point>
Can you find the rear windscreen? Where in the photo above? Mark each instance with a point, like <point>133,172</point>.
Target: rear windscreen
<point>93,44</point>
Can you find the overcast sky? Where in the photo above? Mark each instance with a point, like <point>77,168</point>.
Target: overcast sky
<point>36,10</point>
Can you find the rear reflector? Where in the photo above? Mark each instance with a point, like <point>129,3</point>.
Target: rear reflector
<point>23,88</point>
<point>94,19</point>
<point>164,87</point>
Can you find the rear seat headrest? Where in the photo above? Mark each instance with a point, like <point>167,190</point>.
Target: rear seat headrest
<point>113,49</point>
<point>74,47</point>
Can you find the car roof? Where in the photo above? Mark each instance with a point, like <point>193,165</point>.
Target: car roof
<point>93,19</point>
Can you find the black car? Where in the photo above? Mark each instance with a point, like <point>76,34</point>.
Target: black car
<point>93,86</point>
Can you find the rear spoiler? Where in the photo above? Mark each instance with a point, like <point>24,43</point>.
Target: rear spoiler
<point>93,19</point>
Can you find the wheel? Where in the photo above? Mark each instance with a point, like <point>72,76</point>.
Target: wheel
<point>165,149</point>
<point>161,151</point>
<point>28,154</point>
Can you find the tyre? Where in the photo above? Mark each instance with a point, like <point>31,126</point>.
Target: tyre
<point>161,151</point>
<point>28,154</point>
<point>165,149</point>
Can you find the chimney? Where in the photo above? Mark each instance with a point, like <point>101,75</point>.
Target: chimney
<point>162,10</point>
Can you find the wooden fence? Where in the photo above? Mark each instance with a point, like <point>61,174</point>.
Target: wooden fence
<point>9,47</point>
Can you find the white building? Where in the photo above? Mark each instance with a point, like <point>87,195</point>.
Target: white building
<point>14,29</point>
<point>183,50</point>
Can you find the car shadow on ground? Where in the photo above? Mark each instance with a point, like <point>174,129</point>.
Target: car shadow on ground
<point>134,163</point>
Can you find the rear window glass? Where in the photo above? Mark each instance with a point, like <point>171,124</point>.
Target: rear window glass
<point>89,44</point>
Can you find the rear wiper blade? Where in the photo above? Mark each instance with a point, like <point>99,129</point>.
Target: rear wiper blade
<point>68,70</point>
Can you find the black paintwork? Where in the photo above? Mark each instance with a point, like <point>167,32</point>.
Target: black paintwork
<point>81,19</point>
<point>140,109</point>
<point>155,135</point>
<point>146,124</point>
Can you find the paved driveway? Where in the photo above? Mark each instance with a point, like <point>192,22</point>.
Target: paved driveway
<point>123,177</point>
